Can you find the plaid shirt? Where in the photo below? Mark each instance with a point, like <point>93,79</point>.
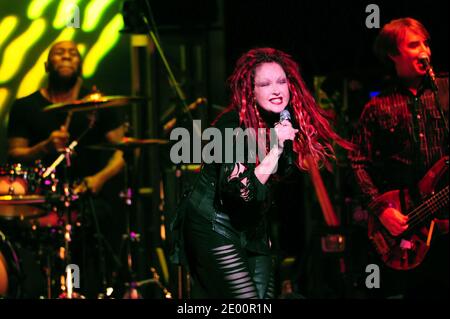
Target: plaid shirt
<point>400,136</point>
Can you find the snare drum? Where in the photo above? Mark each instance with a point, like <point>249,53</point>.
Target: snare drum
<point>23,191</point>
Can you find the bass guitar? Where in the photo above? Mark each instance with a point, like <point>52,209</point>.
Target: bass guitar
<point>408,250</point>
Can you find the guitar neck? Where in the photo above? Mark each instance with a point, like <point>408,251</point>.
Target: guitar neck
<point>431,205</point>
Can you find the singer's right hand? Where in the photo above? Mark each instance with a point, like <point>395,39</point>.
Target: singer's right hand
<point>57,140</point>
<point>284,131</point>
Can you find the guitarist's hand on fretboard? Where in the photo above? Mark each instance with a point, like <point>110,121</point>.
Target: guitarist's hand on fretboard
<point>394,221</point>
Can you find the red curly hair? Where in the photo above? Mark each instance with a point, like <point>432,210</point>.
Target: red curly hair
<point>315,133</point>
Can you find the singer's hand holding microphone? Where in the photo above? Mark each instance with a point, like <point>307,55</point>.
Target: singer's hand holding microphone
<point>285,132</point>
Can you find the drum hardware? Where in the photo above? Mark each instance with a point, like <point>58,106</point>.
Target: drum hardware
<point>60,199</point>
<point>22,191</point>
<point>26,195</point>
<point>130,236</point>
<point>106,290</point>
<point>66,199</point>
<point>30,197</point>
<point>128,145</point>
<point>93,102</point>
<point>133,293</point>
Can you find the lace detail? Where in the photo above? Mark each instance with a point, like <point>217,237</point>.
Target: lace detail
<point>240,180</point>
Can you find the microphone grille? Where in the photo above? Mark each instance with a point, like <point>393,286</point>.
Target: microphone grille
<point>285,115</point>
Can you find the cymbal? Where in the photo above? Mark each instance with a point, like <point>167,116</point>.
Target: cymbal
<point>92,102</point>
<point>128,143</point>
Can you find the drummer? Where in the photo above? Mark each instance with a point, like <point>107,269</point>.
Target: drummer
<point>37,135</point>
<point>33,134</point>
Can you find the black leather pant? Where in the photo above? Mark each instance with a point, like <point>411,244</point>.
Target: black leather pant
<point>221,268</point>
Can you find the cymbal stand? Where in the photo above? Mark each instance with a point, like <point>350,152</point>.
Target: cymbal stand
<point>67,198</point>
<point>155,280</point>
<point>106,290</point>
<point>66,282</point>
<point>132,237</point>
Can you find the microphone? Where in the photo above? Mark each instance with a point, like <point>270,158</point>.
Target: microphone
<point>287,145</point>
<point>425,61</point>
<point>171,123</point>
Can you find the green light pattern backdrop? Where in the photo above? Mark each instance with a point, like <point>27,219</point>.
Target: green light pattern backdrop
<point>29,27</point>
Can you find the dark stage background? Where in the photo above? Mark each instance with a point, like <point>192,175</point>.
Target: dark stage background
<point>202,40</point>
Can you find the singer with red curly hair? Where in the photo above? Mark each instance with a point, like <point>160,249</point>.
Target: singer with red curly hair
<point>221,223</point>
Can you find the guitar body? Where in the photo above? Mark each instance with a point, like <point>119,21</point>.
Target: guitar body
<point>408,250</point>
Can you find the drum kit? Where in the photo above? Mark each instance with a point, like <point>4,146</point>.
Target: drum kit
<point>41,206</point>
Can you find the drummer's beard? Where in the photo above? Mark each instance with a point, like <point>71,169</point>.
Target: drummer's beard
<point>63,83</point>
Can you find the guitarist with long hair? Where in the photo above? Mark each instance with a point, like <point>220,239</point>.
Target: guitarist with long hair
<point>401,166</point>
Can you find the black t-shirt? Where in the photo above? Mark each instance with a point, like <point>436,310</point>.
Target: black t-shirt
<point>27,120</point>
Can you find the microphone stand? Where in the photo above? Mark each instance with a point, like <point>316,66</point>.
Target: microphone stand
<point>432,77</point>
<point>184,110</point>
<point>172,79</point>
